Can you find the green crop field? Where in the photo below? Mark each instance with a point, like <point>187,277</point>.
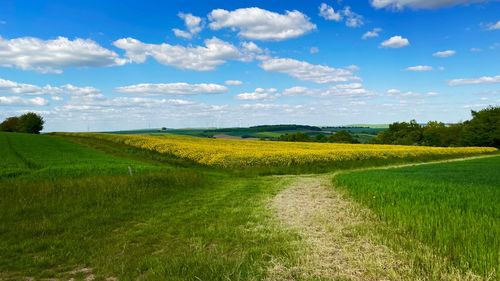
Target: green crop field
<point>40,156</point>
<point>69,209</point>
<point>451,207</point>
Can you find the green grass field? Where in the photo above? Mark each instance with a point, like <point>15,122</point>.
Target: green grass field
<point>70,209</point>
<point>451,207</point>
<point>40,157</point>
<point>171,221</point>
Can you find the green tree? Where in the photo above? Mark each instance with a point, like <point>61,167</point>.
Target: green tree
<point>31,123</point>
<point>483,129</point>
<point>433,133</point>
<point>401,133</point>
<point>342,136</point>
<point>10,124</point>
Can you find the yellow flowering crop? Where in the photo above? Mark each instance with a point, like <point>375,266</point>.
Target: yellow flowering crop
<point>239,153</point>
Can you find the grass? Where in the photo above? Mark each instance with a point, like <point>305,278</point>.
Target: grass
<point>69,209</point>
<point>450,207</point>
<point>40,156</point>
<point>182,223</point>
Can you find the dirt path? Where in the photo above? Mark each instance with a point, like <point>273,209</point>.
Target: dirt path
<point>338,233</point>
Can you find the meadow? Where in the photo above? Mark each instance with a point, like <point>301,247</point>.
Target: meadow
<point>70,209</point>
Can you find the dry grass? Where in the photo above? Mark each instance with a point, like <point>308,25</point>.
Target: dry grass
<point>344,240</point>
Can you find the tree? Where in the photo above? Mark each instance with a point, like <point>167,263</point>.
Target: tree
<point>433,133</point>
<point>31,123</point>
<point>400,133</point>
<point>342,136</point>
<point>10,124</point>
<point>483,129</point>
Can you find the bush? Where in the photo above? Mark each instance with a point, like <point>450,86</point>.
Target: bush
<point>10,124</point>
<point>30,122</point>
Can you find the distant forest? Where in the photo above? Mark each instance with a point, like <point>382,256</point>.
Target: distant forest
<point>482,130</point>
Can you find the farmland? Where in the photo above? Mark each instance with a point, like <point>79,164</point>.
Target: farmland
<point>195,209</point>
<point>234,153</point>
<point>451,207</point>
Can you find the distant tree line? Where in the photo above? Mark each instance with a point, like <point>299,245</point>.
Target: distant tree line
<point>267,128</point>
<point>482,130</point>
<point>30,122</point>
<point>341,136</point>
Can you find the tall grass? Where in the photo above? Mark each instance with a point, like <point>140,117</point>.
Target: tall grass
<point>451,207</point>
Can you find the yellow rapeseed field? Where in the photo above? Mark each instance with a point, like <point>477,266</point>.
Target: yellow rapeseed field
<point>238,153</point>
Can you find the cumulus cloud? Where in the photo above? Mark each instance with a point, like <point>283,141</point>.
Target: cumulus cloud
<point>420,68</point>
<point>351,18</point>
<point>327,12</point>
<point>171,89</point>
<point>474,81</point>
<point>259,24</point>
<point>305,71</point>
<point>395,42</point>
<point>51,56</point>
<point>352,90</point>
<point>194,25</point>
<point>233,82</point>
<point>370,34</point>
<point>20,101</point>
<point>419,4</point>
<point>215,52</point>
<point>444,54</point>
<point>11,87</point>
<point>258,94</point>
<point>495,26</point>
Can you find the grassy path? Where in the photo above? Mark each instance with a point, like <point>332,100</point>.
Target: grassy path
<point>345,239</point>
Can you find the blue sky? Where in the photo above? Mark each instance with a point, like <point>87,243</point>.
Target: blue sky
<point>109,65</point>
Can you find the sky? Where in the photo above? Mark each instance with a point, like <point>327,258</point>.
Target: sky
<point>115,65</point>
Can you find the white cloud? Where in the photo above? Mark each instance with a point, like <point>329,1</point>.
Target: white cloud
<point>11,87</point>
<point>182,33</point>
<point>308,72</point>
<point>475,50</point>
<point>175,89</point>
<point>258,94</point>
<point>51,56</point>
<point>352,19</point>
<point>495,26</point>
<point>473,81</point>
<point>420,68</point>
<point>56,98</point>
<point>444,54</point>
<point>314,50</point>
<point>409,95</point>
<point>251,47</point>
<point>259,24</point>
<point>327,12</point>
<point>19,101</point>
<point>197,58</point>
<point>370,34</point>
<point>352,90</point>
<point>419,4</point>
<point>194,25</point>
<point>233,82</point>
<point>395,42</point>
